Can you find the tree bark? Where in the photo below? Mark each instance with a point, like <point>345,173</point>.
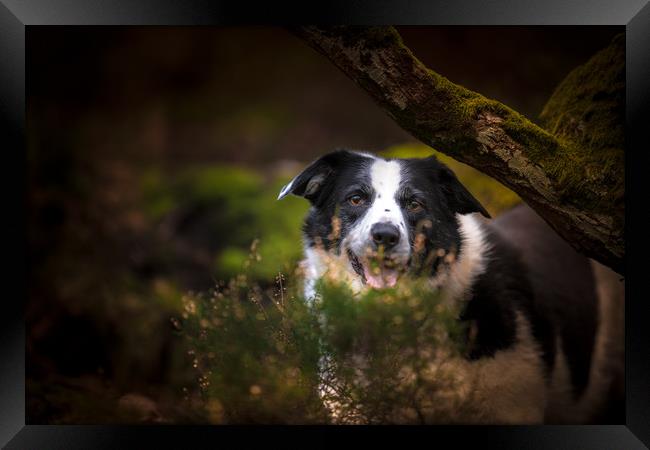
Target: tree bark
<point>559,178</point>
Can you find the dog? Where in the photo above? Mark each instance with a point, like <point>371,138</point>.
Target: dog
<point>547,322</point>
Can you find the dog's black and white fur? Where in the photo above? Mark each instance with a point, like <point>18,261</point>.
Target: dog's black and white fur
<point>546,322</point>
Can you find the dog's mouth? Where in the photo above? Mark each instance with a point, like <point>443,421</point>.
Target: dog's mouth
<point>376,270</point>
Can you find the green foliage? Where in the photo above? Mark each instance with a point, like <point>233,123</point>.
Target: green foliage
<point>270,356</point>
<point>384,352</point>
<point>234,205</point>
<point>255,354</point>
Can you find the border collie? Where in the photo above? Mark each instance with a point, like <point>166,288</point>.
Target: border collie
<point>547,323</point>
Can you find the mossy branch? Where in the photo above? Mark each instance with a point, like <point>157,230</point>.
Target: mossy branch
<point>550,172</point>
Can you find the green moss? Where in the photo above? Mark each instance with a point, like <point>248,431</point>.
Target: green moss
<point>540,145</point>
<point>586,112</point>
<point>579,147</point>
<point>588,106</point>
<point>461,109</point>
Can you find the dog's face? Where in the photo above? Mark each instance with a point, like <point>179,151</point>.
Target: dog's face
<point>387,216</point>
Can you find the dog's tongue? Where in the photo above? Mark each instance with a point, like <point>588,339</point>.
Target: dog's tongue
<point>381,278</point>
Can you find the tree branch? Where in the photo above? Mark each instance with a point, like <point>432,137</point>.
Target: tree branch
<point>548,172</point>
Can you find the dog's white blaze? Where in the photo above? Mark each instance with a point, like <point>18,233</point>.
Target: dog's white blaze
<point>385,178</point>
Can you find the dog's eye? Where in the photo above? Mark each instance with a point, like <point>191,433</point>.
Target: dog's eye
<point>414,206</point>
<point>356,200</point>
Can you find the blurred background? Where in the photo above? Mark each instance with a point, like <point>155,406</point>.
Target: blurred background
<point>155,155</point>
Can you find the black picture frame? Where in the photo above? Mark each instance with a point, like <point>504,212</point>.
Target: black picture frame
<point>17,15</point>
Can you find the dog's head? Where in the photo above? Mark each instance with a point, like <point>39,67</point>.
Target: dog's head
<point>387,216</point>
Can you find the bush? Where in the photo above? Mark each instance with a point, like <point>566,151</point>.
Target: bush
<point>380,356</point>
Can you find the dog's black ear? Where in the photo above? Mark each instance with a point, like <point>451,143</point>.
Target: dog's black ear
<point>310,181</point>
<point>458,197</point>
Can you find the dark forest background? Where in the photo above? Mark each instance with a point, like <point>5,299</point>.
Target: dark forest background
<point>155,155</point>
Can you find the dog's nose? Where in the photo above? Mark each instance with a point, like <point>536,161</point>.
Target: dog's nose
<point>385,234</point>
